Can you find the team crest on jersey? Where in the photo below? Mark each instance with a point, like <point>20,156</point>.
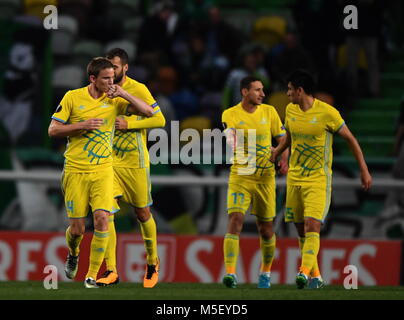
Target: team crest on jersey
<point>59,108</point>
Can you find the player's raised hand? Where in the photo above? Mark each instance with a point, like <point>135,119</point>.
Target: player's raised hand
<point>115,91</point>
<point>92,124</point>
<point>366,179</point>
<point>121,123</point>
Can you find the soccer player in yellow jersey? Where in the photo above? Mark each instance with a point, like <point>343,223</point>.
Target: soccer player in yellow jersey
<point>132,172</point>
<point>249,128</point>
<point>86,116</point>
<point>310,125</point>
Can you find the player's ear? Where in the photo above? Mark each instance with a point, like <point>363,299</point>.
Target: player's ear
<point>92,78</point>
<point>125,68</point>
<point>244,92</point>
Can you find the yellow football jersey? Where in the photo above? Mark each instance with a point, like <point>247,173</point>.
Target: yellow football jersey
<point>91,150</point>
<point>266,124</point>
<point>311,135</point>
<point>130,146</point>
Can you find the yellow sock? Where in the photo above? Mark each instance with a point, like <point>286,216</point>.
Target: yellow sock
<point>73,243</point>
<point>230,249</point>
<point>110,253</point>
<point>149,234</point>
<point>267,252</point>
<point>97,252</point>
<point>309,252</point>
<point>315,271</point>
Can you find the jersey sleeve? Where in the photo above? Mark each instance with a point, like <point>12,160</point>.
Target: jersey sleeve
<point>277,128</point>
<point>157,120</point>
<point>121,104</point>
<point>64,109</point>
<point>335,121</point>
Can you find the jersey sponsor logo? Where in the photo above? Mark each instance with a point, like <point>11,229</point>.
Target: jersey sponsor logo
<point>264,121</point>
<point>303,136</point>
<point>105,106</point>
<point>314,120</point>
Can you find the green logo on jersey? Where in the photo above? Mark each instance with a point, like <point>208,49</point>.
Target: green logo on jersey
<point>262,158</point>
<point>124,142</point>
<point>99,145</point>
<point>310,158</point>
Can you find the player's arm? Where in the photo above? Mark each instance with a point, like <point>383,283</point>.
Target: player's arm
<point>59,129</point>
<point>284,161</point>
<point>358,154</point>
<point>127,123</point>
<point>136,106</point>
<point>230,134</point>
<point>284,143</point>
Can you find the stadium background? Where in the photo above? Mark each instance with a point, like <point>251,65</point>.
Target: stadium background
<point>191,55</point>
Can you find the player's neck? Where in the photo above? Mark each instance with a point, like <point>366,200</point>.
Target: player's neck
<point>94,92</point>
<point>250,108</point>
<point>306,103</point>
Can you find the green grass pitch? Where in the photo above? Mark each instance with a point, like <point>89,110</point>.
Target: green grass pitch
<point>34,290</point>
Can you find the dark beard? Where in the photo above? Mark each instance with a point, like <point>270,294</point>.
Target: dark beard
<point>118,78</point>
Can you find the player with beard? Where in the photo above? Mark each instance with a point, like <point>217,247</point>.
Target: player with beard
<point>251,184</point>
<point>132,172</point>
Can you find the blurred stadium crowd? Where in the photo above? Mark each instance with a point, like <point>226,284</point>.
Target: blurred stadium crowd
<point>192,54</point>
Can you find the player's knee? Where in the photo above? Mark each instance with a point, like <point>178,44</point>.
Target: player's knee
<point>235,223</point>
<point>101,220</point>
<point>266,230</point>
<point>77,229</point>
<point>142,214</point>
<point>312,225</point>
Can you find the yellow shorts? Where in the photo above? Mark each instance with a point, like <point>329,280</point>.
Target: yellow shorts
<point>85,190</point>
<point>242,194</point>
<point>307,202</point>
<point>133,186</point>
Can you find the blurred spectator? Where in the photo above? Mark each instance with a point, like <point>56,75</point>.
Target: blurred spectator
<point>222,40</point>
<point>318,23</point>
<point>367,36</point>
<point>165,105</point>
<point>286,57</point>
<point>160,36</point>
<point>184,101</point>
<point>252,62</point>
<point>394,204</point>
